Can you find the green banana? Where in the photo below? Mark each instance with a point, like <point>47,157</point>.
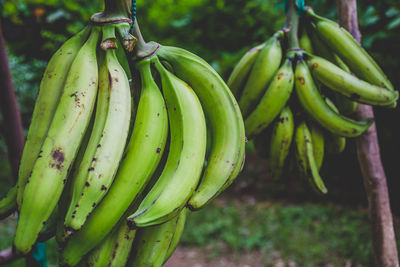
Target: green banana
<point>342,82</point>
<point>79,174</point>
<point>114,250</point>
<point>109,149</point>
<point>312,101</point>
<point>66,195</point>
<point>50,91</point>
<point>240,72</point>
<point>274,99</point>
<point>343,43</point>
<point>180,225</point>
<point>318,142</point>
<point>305,40</point>
<point>335,144</point>
<point>45,185</point>
<point>345,105</point>
<point>151,244</point>
<point>225,121</point>
<point>280,142</point>
<point>306,163</point>
<point>264,69</point>
<point>142,157</point>
<point>8,204</point>
<point>187,148</point>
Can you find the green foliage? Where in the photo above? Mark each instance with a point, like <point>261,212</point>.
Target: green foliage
<point>310,235</point>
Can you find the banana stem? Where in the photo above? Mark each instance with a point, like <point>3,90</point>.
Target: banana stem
<point>142,49</point>
<point>368,152</point>
<point>114,11</point>
<point>292,25</point>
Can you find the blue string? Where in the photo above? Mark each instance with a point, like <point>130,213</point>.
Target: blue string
<point>301,7</point>
<point>133,11</point>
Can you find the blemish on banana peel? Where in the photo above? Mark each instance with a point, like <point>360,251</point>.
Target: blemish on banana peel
<point>280,75</point>
<point>301,80</point>
<point>58,158</point>
<point>158,150</point>
<point>314,66</point>
<point>103,188</point>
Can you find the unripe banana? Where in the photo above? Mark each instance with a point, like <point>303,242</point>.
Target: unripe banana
<point>273,100</point>
<point>46,183</point>
<point>185,161</point>
<point>280,142</point>
<point>305,40</point>
<point>80,172</point>
<point>343,43</point>
<point>49,229</point>
<point>240,72</point>
<point>224,119</point>
<point>142,157</point>
<point>267,63</point>
<point>105,161</point>
<point>318,142</point>
<point>151,244</point>
<point>8,204</point>
<point>50,91</point>
<point>314,104</point>
<point>342,82</point>
<point>305,158</point>
<point>114,250</point>
<point>180,225</point>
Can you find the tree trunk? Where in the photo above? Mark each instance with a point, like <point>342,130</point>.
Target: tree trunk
<point>368,152</point>
<point>12,124</point>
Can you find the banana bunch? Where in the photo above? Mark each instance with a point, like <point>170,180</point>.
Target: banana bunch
<point>186,146</point>
<point>329,73</point>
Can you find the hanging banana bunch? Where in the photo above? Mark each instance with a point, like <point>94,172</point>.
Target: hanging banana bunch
<point>304,82</point>
<point>121,147</point>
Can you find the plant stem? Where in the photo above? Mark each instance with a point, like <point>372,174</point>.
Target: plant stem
<point>292,25</point>
<point>114,11</point>
<point>143,49</point>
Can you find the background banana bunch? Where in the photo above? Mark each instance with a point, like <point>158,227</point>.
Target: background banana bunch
<point>329,73</point>
<point>121,148</point>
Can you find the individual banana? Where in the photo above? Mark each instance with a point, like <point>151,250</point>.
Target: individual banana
<point>114,250</point>
<point>343,43</point>
<point>151,244</point>
<point>71,118</point>
<point>305,40</point>
<point>180,226</point>
<point>187,148</point>
<point>264,68</point>
<point>240,72</point>
<point>280,142</point>
<point>306,163</point>
<point>342,82</point>
<point>105,161</point>
<point>80,173</point>
<point>273,100</point>
<point>318,142</point>
<point>50,91</point>
<point>224,118</point>
<point>142,156</point>
<point>8,204</point>
<point>312,101</point>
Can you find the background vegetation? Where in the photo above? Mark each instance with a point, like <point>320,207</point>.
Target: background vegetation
<point>220,31</point>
